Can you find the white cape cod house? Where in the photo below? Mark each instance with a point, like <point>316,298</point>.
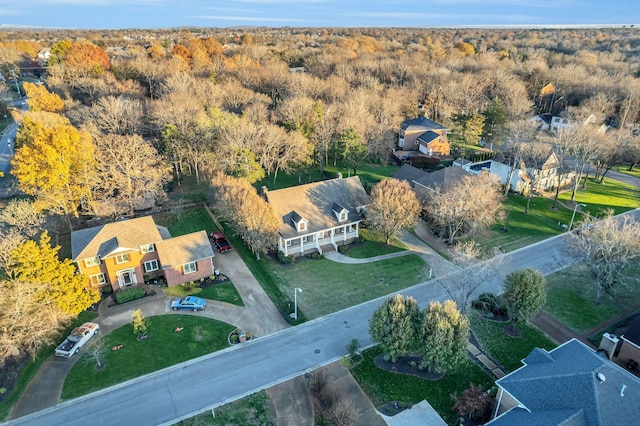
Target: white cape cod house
<point>318,217</point>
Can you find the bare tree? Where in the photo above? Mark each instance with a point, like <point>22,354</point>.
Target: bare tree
<point>23,215</point>
<point>608,247</point>
<point>473,202</point>
<point>478,267</point>
<point>393,206</point>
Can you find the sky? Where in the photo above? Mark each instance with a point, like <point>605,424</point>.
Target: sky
<point>121,14</point>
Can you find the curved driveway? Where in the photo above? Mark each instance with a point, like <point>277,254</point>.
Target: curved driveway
<point>184,390</point>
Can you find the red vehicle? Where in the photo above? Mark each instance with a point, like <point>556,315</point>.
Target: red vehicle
<point>220,241</point>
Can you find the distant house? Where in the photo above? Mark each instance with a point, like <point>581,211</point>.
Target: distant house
<point>424,136</point>
<point>318,216</point>
<point>425,182</point>
<point>539,176</point>
<point>558,124</point>
<point>129,252</point>
<point>569,385</point>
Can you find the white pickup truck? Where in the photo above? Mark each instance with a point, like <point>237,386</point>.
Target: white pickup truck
<point>78,337</point>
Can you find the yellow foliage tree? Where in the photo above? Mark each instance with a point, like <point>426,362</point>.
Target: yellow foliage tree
<point>54,162</point>
<point>37,265</point>
<point>40,99</point>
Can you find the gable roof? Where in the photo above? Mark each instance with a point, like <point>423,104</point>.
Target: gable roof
<point>421,123</point>
<point>315,202</point>
<point>106,239</point>
<point>187,248</point>
<point>442,179</point>
<point>564,387</point>
<point>428,136</point>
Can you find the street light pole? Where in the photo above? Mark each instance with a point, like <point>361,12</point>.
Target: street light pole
<point>295,302</point>
<point>574,213</point>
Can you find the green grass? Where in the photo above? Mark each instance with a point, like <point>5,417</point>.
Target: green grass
<point>162,349</point>
<point>31,367</point>
<point>571,293</point>
<point>186,221</point>
<point>188,191</point>
<point>524,229</point>
<point>253,410</point>
<point>374,245</point>
<point>508,351</point>
<point>329,286</point>
<point>382,386</point>
<point>225,292</point>
<point>624,168</point>
<point>599,197</point>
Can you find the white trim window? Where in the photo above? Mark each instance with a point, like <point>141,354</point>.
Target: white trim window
<point>189,268</point>
<point>122,258</point>
<point>319,235</point>
<point>305,238</point>
<point>343,215</point>
<point>147,248</point>
<point>92,261</point>
<point>289,243</point>
<point>97,280</point>
<point>151,265</point>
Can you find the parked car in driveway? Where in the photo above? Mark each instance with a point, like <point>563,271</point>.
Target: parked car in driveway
<point>189,303</point>
<point>78,337</point>
<point>220,241</point>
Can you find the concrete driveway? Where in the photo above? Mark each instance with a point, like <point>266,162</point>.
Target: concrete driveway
<point>259,316</point>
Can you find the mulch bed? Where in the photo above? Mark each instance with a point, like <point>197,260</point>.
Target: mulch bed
<point>9,374</point>
<point>406,365</point>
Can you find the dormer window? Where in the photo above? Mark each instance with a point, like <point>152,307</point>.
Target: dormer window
<point>299,222</point>
<point>147,248</point>
<point>341,213</point>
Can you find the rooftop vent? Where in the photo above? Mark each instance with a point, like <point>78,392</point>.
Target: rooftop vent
<point>622,390</point>
<point>601,377</point>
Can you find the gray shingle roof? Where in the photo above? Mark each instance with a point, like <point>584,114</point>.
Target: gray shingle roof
<point>105,239</point>
<point>428,136</point>
<point>441,179</point>
<point>633,332</point>
<point>187,248</point>
<point>314,202</point>
<point>421,123</point>
<point>564,388</point>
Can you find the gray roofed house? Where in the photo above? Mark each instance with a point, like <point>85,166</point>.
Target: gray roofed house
<point>318,216</point>
<point>423,137</point>
<point>569,385</point>
<point>440,180</point>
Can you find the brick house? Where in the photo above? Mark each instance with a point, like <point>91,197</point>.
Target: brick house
<point>130,252</point>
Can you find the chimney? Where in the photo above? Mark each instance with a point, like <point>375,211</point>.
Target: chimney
<point>609,343</point>
<point>264,192</point>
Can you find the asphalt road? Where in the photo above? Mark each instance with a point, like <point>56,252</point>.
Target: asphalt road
<point>181,391</point>
<point>8,138</point>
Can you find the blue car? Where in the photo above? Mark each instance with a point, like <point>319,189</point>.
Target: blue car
<point>189,303</point>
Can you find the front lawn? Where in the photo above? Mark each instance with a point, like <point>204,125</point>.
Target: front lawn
<point>225,292</point>
<point>571,293</point>
<point>508,351</point>
<point>382,386</point>
<point>599,197</point>
<point>163,348</point>
<point>624,168</point>
<point>374,244</point>
<point>330,287</point>
<point>524,229</point>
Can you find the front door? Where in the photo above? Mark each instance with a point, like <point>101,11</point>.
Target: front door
<point>126,277</point>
